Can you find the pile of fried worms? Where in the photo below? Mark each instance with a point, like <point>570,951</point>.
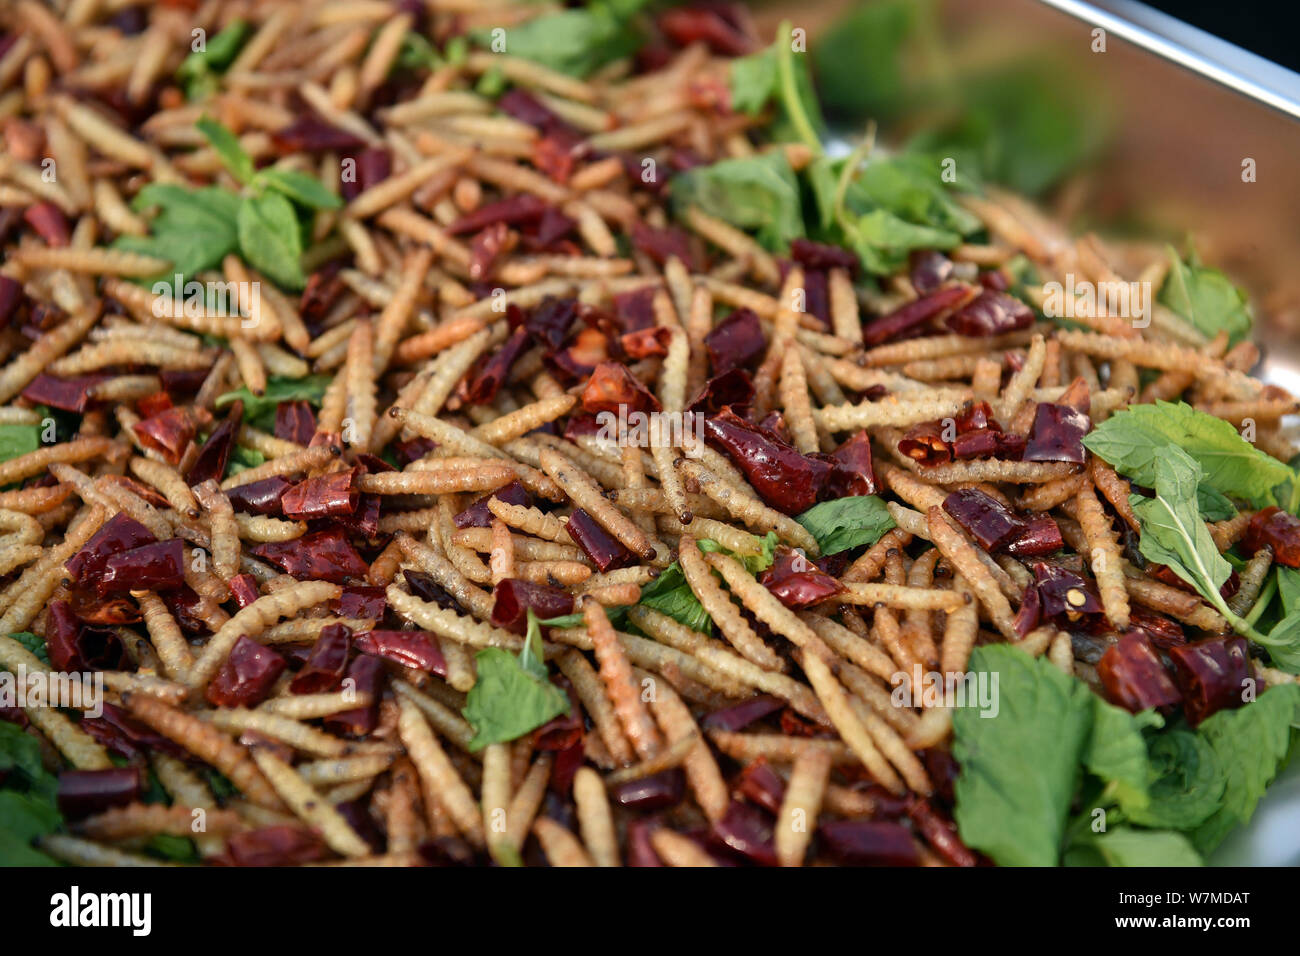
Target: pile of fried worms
<point>321,619</point>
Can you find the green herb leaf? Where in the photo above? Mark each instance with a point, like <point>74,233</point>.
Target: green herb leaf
<point>883,241</point>
<point>1173,533</point>
<point>756,193</point>
<point>1133,439</point>
<point>845,523</point>
<point>509,699</point>
<point>1117,752</point>
<point>1283,643</point>
<point>779,74</point>
<point>194,228</point>
<point>259,410</point>
<point>34,643</point>
<point>670,594</point>
<point>564,620</point>
<point>1206,298</point>
<point>299,187</point>
<point>242,459</point>
<point>226,144</point>
<point>198,72</point>
<point>18,440</point>
<point>269,239</point>
<point>531,657</point>
<point>575,42</point>
<point>1187,784</point>
<point>27,802</point>
<point>1125,846</point>
<point>178,849</point>
<point>911,187</point>
<point>1019,769</point>
<point>416,53</point>
<point>889,206</point>
<point>22,819</point>
<point>1251,744</point>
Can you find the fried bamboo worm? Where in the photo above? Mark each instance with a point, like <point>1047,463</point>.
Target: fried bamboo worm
<point>255,619</point>
<point>559,844</point>
<point>1104,556</point>
<point>725,614</point>
<point>837,703</point>
<point>470,443</point>
<point>309,805</point>
<point>208,744</point>
<point>702,773</point>
<point>437,773</point>
<point>586,684</point>
<point>595,820</point>
<point>961,554</point>
<point>616,673</point>
<point>764,606</point>
<point>587,495</point>
<point>749,510</point>
<point>804,794</point>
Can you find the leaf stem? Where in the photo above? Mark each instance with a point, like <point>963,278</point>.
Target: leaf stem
<point>790,90</point>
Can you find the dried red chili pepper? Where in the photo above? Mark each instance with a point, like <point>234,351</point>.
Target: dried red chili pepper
<point>1134,677</point>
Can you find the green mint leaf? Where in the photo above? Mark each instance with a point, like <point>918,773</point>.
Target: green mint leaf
<point>269,239</point>
<point>1020,768</point>
<point>1133,439</point>
<point>564,620</point>
<point>1283,642</point>
<point>1117,752</point>
<point>575,42</point>
<point>34,643</point>
<point>416,53</point>
<point>1173,533</point>
<point>752,81</point>
<point>1206,298</point>
<point>845,523</point>
<point>759,194</point>
<point>508,700</point>
<point>911,187</point>
<point>194,228</point>
<point>242,458</point>
<point>198,72</point>
<point>18,440</point>
<point>226,144</point>
<point>1125,846</point>
<point>259,410</point>
<point>531,657</point>
<point>177,849</point>
<point>1251,744</point>
<point>670,594</point>
<point>883,241</point>
<point>1187,782</point>
<point>299,187</point>
<point>23,817</point>
<point>779,74</point>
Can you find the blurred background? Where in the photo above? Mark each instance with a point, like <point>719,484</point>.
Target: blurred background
<point>1119,140</point>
